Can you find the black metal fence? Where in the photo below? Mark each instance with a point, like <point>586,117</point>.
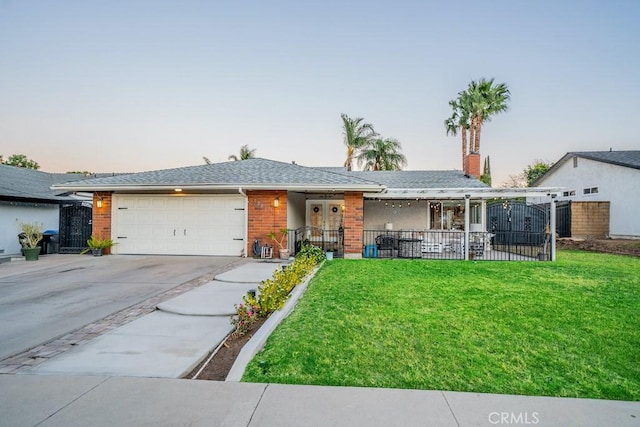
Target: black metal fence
<point>445,244</point>
<point>327,240</point>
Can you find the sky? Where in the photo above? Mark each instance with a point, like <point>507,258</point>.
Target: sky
<point>128,86</point>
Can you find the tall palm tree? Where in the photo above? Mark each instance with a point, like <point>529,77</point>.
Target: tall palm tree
<point>472,109</point>
<point>357,134</point>
<point>245,153</point>
<point>483,100</point>
<point>382,155</point>
<point>458,122</point>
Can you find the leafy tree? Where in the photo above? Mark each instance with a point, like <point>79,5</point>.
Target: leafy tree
<point>486,172</point>
<point>357,135</point>
<point>473,108</point>
<point>536,170</point>
<point>382,154</point>
<point>245,153</point>
<point>21,161</point>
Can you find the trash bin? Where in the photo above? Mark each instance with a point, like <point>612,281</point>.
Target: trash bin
<point>50,242</point>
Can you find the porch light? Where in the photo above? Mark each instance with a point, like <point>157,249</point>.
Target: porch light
<point>177,190</point>
<point>276,202</point>
<point>99,202</point>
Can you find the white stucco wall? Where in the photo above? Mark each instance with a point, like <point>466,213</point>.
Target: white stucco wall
<point>409,217</point>
<point>295,210</point>
<point>616,184</point>
<point>48,215</point>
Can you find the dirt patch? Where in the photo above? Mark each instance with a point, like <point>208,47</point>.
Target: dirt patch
<point>609,246</point>
<point>220,365</point>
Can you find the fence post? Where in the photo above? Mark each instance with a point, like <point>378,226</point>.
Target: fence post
<point>467,225</point>
<point>552,225</point>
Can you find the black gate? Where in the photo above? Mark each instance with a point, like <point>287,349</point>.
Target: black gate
<point>563,218</point>
<point>518,228</point>
<point>75,228</point>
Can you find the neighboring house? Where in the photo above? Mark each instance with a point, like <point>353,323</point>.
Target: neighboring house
<point>224,208</point>
<point>604,190</point>
<point>26,196</point>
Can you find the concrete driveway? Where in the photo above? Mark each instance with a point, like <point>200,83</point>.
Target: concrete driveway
<point>42,300</point>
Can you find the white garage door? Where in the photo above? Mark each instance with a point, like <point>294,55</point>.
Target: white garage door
<point>178,224</point>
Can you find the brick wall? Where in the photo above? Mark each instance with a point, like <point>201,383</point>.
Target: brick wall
<point>101,217</point>
<point>590,219</point>
<point>263,217</point>
<point>471,165</point>
<point>353,224</point>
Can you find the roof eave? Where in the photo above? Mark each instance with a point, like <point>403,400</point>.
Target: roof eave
<point>460,193</point>
<point>213,187</point>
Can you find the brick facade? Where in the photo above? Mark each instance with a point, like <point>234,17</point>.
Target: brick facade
<point>590,220</point>
<point>353,224</point>
<point>263,217</point>
<point>101,216</point>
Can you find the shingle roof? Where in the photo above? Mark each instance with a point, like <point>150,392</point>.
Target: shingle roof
<point>22,183</point>
<point>246,173</point>
<point>630,158</point>
<point>263,173</point>
<point>421,179</point>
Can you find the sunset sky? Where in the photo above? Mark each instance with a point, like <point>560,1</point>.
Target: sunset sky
<point>114,86</point>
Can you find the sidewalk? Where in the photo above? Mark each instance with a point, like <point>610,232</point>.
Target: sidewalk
<point>29,400</point>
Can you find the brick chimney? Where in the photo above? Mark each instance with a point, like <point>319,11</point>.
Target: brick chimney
<point>472,165</point>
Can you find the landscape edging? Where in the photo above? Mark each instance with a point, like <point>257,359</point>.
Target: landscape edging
<point>257,342</point>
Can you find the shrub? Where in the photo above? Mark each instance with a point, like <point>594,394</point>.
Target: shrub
<point>309,251</point>
<point>272,293</point>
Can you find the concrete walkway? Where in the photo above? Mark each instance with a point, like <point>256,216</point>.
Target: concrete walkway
<point>29,400</point>
<point>169,342</point>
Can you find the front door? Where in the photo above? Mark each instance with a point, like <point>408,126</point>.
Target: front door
<point>324,215</point>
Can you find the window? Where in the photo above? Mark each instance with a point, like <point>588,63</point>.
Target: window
<point>592,190</point>
<point>575,162</point>
<point>569,193</point>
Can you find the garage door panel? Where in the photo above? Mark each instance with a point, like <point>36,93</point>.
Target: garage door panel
<point>181,225</point>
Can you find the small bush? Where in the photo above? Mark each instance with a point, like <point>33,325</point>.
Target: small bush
<point>308,251</point>
<point>272,293</point>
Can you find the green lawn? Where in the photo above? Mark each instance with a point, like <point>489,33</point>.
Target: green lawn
<point>569,328</point>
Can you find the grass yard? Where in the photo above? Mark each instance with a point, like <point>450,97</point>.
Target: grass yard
<point>569,328</point>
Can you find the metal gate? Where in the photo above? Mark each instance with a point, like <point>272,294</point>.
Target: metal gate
<point>75,228</point>
<point>563,218</point>
<point>519,228</point>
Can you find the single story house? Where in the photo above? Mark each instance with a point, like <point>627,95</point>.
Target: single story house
<point>26,196</point>
<point>602,191</point>
<point>229,208</point>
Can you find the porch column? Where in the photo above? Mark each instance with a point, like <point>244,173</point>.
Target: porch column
<point>353,224</point>
<point>467,207</point>
<point>552,225</point>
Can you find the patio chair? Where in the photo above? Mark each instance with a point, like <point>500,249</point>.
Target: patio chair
<point>385,242</point>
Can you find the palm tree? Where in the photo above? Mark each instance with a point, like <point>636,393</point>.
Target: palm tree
<point>459,121</point>
<point>484,100</point>
<point>356,136</point>
<point>382,155</point>
<point>473,108</point>
<point>245,153</point>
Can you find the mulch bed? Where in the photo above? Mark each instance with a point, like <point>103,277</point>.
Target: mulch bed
<point>220,365</point>
<point>609,246</point>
